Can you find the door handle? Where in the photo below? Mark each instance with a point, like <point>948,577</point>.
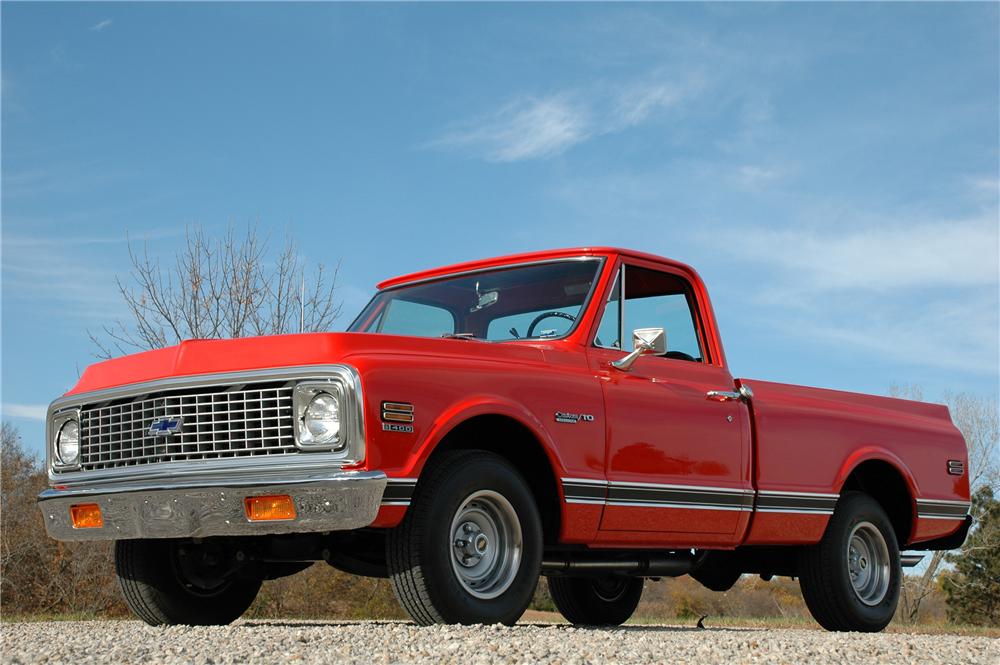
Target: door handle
<point>744,393</point>
<point>722,396</point>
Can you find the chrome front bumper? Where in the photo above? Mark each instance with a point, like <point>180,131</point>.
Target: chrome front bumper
<point>197,507</point>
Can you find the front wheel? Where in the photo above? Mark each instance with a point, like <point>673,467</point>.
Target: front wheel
<point>167,582</point>
<point>596,601</point>
<point>850,580</point>
<point>470,547</point>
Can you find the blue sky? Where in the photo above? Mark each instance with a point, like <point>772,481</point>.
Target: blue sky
<point>832,170</point>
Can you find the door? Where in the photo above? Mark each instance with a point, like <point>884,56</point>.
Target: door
<point>677,459</point>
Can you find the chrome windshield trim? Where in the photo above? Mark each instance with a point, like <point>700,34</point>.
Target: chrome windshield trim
<point>584,306</point>
<point>502,266</point>
<point>354,399</point>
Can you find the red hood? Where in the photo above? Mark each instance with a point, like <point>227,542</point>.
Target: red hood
<point>211,356</point>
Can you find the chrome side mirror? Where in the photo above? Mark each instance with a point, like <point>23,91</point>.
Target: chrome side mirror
<point>652,341</point>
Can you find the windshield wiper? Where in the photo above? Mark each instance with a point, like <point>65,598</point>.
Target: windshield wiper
<point>463,335</point>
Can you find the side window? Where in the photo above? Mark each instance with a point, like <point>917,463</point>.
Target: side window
<point>653,299</point>
<point>609,331</point>
<point>403,317</point>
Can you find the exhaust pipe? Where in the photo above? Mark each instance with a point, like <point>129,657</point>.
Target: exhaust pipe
<point>910,560</point>
<point>652,566</point>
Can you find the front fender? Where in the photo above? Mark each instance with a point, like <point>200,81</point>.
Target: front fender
<point>471,406</point>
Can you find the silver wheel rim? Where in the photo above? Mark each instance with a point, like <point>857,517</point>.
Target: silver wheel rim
<point>868,563</point>
<point>486,544</point>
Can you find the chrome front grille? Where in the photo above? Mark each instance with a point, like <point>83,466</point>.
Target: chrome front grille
<point>216,422</point>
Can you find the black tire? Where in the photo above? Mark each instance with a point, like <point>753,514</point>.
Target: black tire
<point>419,550</point>
<point>596,601</point>
<point>717,579</point>
<point>156,589</point>
<point>825,575</point>
<point>719,571</point>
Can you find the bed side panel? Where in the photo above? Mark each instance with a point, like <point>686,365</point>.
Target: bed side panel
<point>808,440</point>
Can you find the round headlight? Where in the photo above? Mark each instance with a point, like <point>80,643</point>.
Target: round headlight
<point>68,443</point>
<point>322,420</point>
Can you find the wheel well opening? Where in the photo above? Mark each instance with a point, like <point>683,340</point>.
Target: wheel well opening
<point>883,482</point>
<point>517,444</point>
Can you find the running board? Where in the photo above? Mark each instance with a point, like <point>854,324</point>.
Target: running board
<point>646,566</point>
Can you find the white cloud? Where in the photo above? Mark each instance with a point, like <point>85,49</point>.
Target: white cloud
<point>63,178</point>
<point>28,411</point>
<point>525,129</point>
<point>878,258</point>
<point>74,242</point>
<point>636,103</point>
<point>540,127</point>
<point>922,293</point>
<point>62,288</point>
<point>956,334</point>
<point>752,177</point>
<point>101,25</point>
<point>70,276</point>
<point>989,186</point>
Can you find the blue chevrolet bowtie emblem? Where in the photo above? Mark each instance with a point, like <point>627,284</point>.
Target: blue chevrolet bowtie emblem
<point>166,425</point>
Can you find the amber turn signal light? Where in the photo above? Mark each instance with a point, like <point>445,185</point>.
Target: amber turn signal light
<point>86,516</point>
<point>264,508</point>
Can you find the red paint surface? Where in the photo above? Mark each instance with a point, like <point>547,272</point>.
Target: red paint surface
<point>651,424</point>
<point>785,529</point>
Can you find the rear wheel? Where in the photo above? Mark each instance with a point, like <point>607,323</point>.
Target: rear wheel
<point>850,580</point>
<point>470,547</point>
<point>596,601</point>
<point>168,582</point>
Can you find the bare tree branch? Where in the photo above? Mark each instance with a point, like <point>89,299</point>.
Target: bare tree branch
<point>220,288</point>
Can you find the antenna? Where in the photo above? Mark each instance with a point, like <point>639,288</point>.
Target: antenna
<point>302,306</point>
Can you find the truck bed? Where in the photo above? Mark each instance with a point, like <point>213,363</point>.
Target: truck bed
<point>809,440</point>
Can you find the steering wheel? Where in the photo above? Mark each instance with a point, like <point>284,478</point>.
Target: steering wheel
<point>544,315</point>
<point>680,355</point>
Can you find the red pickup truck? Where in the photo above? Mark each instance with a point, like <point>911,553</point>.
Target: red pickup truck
<point>566,413</point>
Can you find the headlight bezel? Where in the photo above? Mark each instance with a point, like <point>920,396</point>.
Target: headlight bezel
<point>302,398</point>
<point>59,422</point>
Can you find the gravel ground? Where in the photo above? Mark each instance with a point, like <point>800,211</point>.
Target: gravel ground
<point>73,642</point>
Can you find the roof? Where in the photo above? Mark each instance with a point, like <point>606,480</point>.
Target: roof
<point>527,257</point>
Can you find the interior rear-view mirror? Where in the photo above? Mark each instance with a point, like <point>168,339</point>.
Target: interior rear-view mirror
<point>486,300</point>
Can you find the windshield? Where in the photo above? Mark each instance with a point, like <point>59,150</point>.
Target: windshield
<point>539,301</point>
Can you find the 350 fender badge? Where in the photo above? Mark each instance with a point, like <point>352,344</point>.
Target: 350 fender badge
<point>395,427</point>
<point>396,416</point>
<point>573,418</point>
